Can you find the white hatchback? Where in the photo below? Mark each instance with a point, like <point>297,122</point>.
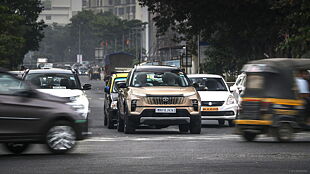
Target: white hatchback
<point>217,102</point>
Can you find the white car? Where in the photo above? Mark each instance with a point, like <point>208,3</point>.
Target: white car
<point>238,88</point>
<point>61,83</point>
<point>217,103</point>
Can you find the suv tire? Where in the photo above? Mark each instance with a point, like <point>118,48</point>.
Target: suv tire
<point>221,122</point>
<point>64,134</point>
<point>120,123</point>
<point>16,148</point>
<point>195,125</point>
<point>110,122</point>
<point>129,126</point>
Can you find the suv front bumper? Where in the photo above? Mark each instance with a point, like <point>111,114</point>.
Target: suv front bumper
<point>149,117</point>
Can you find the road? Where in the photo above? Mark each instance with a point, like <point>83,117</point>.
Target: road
<point>215,150</point>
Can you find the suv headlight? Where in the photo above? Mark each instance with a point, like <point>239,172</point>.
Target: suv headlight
<point>189,94</point>
<point>195,104</point>
<point>133,105</point>
<point>114,105</point>
<point>231,100</point>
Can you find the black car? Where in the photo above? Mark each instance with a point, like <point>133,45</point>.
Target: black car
<point>30,117</point>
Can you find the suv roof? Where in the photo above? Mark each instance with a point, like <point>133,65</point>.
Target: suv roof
<point>156,68</point>
<point>52,70</point>
<point>204,75</point>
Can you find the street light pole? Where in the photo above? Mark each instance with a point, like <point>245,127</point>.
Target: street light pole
<point>79,39</point>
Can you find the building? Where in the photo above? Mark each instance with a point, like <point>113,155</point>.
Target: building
<point>59,11</point>
<point>124,9</point>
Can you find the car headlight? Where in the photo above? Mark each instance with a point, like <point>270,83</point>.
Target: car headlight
<point>76,106</point>
<point>114,105</point>
<point>75,98</point>
<point>231,100</point>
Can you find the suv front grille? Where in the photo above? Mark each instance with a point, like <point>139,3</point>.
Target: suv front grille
<point>165,100</point>
<point>212,103</point>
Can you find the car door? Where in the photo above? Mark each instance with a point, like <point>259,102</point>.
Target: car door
<point>20,113</point>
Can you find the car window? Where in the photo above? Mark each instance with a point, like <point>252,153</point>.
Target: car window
<point>209,84</point>
<point>10,85</point>
<point>141,79</point>
<point>116,81</point>
<point>53,81</point>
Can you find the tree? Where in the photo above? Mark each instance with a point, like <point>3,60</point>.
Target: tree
<point>19,30</point>
<point>244,30</point>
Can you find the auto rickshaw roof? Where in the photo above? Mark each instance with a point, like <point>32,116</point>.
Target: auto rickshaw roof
<point>274,64</point>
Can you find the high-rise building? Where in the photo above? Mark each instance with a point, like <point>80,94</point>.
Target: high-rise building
<point>59,11</point>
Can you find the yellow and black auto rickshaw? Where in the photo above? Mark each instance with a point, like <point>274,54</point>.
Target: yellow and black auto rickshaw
<point>271,103</point>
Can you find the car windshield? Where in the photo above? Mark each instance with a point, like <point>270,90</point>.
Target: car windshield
<point>209,84</point>
<point>53,81</point>
<point>116,81</point>
<point>141,79</point>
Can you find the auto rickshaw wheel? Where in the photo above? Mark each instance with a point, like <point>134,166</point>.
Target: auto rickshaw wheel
<point>249,136</point>
<point>284,132</point>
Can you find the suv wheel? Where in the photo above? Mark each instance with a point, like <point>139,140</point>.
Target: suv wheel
<point>129,126</point>
<point>183,128</point>
<point>195,125</point>
<point>61,137</point>
<point>105,120</point>
<point>16,148</point>
<point>109,121</point>
<point>120,123</point>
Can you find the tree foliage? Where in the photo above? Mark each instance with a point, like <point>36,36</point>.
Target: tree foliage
<point>93,30</point>
<point>19,30</point>
<point>240,30</point>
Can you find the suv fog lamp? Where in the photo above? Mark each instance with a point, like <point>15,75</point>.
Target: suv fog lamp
<point>133,105</point>
<point>195,104</point>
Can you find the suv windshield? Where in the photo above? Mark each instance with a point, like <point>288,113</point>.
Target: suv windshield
<point>53,81</point>
<point>209,84</point>
<point>141,79</point>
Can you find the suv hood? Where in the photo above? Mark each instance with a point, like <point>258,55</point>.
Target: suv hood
<point>214,95</point>
<point>163,90</point>
<point>62,92</point>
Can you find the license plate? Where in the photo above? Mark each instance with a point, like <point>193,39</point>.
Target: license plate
<point>210,109</point>
<point>165,110</point>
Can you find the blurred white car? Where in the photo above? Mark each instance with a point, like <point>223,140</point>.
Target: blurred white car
<point>217,103</point>
<point>238,88</point>
<point>61,83</point>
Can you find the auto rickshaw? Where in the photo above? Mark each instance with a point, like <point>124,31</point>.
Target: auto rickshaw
<point>271,103</point>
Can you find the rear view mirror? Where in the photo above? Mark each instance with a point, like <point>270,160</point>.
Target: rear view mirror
<point>87,87</point>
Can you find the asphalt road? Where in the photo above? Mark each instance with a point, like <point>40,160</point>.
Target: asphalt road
<point>215,150</point>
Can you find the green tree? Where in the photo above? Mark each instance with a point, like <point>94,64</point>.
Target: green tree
<point>242,30</point>
<point>19,30</point>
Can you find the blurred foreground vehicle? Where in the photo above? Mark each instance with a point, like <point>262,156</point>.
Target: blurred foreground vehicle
<point>61,83</point>
<point>217,103</point>
<point>111,96</point>
<point>28,116</point>
<point>159,96</point>
<point>272,103</point>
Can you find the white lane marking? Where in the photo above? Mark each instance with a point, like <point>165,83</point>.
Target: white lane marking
<point>162,138</point>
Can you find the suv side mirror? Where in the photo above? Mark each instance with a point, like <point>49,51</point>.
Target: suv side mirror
<point>107,89</point>
<point>195,85</point>
<point>87,87</point>
<point>122,85</point>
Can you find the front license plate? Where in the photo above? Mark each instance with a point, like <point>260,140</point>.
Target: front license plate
<point>165,110</point>
<point>210,109</point>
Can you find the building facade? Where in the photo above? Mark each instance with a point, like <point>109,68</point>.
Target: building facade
<point>59,11</point>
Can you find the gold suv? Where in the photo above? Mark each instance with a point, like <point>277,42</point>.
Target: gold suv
<point>159,96</point>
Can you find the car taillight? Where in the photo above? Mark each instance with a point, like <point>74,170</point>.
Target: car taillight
<point>133,105</point>
<point>195,104</point>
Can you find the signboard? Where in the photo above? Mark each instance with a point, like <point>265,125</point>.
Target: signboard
<point>99,53</point>
<point>79,58</point>
<point>186,61</point>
